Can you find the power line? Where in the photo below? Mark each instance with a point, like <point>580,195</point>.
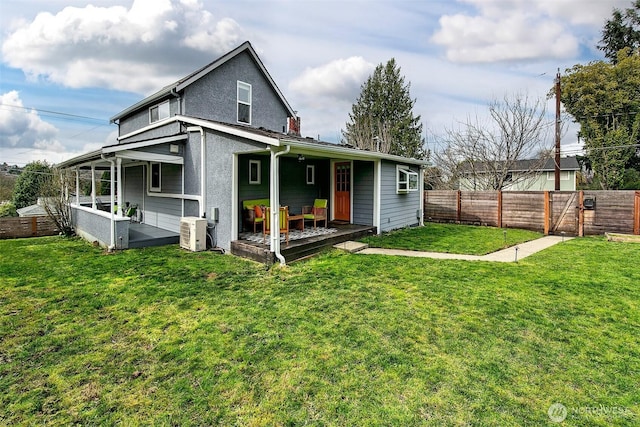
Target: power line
<point>57,114</point>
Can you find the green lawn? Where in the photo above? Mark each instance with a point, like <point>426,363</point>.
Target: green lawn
<point>168,337</point>
<point>452,238</point>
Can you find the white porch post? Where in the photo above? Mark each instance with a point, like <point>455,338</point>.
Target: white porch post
<point>93,186</point>
<point>274,193</point>
<point>120,203</point>
<point>274,236</point>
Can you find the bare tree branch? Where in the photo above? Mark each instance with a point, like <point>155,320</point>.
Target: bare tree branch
<point>485,155</point>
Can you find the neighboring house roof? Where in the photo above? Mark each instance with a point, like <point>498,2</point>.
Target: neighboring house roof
<point>191,78</point>
<point>33,210</point>
<point>566,163</point>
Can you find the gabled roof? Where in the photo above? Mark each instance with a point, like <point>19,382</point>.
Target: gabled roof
<point>196,75</point>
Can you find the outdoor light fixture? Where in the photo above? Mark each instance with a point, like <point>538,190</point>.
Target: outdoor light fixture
<point>300,158</point>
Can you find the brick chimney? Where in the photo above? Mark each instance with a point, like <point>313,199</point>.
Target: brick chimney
<point>293,126</point>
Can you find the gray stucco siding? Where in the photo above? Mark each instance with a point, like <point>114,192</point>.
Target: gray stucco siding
<point>94,226</point>
<point>140,118</point>
<point>220,153</point>
<point>169,129</point>
<point>214,96</point>
<point>396,210</point>
<point>363,185</point>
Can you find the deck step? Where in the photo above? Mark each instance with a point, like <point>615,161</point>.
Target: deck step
<point>351,246</point>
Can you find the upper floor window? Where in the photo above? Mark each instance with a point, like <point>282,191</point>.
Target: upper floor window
<point>159,112</point>
<point>244,102</point>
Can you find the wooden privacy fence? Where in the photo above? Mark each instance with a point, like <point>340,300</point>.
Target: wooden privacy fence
<point>552,212</point>
<point>36,226</point>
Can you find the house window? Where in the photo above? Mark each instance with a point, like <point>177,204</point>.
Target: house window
<point>155,177</point>
<point>159,112</point>
<point>564,176</point>
<point>311,174</point>
<point>254,172</point>
<point>406,179</point>
<point>244,102</point>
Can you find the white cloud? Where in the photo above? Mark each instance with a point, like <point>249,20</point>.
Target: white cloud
<point>339,79</point>
<point>20,127</point>
<point>517,30</point>
<point>138,49</point>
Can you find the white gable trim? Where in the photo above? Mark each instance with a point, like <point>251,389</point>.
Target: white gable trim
<point>149,157</point>
<point>231,130</point>
<point>142,144</point>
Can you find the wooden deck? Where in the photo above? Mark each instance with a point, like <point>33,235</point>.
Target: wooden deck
<point>302,248</point>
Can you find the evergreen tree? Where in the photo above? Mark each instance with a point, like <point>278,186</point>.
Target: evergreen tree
<point>30,183</point>
<point>621,31</point>
<point>382,118</point>
<point>105,184</point>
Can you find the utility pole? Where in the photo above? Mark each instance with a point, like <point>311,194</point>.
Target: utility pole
<point>557,151</point>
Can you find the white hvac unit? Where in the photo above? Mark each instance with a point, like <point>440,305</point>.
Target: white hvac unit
<point>193,233</point>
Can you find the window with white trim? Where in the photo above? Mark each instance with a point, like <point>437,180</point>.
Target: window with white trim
<point>155,177</point>
<point>564,176</point>
<point>159,112</point>
<point>244,102</point>
<point>406,179</point>
<point>254,172</point>
<point>311,174</point>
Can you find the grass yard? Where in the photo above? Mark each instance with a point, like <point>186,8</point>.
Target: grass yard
<point>452,238</point>
<point>168,337</point>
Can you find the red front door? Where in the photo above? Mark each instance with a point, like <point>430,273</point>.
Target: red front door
<point>342,194</point>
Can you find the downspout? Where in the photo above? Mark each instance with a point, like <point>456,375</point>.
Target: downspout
<point>120,202</point>
<point>77,186</point>
<point>113,221</point>
<point>175,94</point>
<point>203,168</point>
<point>275,202</point>
<point>93,187</point>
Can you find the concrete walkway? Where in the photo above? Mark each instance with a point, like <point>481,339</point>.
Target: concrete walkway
<point>505,255</point>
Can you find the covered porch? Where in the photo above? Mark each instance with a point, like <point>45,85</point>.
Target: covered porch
<point>128,216</point>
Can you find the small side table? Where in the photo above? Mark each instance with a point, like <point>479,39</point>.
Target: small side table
<point>297,221</point>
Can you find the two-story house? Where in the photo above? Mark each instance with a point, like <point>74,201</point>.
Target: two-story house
<point>201,146</point>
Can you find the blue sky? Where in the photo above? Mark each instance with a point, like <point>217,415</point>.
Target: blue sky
<point>68,66</point>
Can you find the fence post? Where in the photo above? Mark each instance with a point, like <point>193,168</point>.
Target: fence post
<point>636,214</point>
<point>499,208</point>
<point>581,214</point>
<point>459,204</point>
<point>34,226</point>
<point>547,203</point>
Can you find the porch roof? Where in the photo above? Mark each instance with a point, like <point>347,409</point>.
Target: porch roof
<point>300,145</point>
<point>126,151</point>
